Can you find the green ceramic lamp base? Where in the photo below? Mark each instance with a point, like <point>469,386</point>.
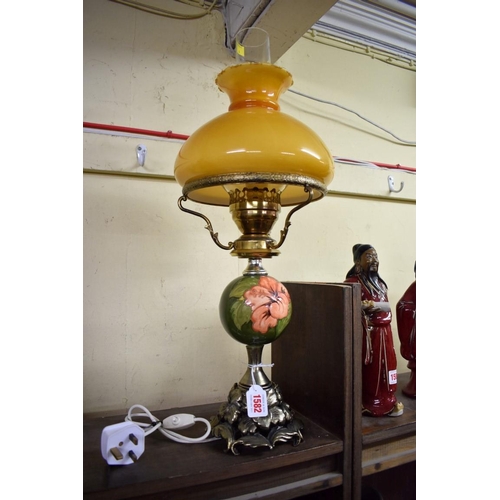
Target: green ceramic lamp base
<point>255,309</point>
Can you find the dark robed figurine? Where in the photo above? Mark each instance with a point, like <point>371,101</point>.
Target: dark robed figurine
<point>406,316</point>
<point>379,376</point>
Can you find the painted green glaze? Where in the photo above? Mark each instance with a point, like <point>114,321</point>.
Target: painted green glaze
<point>255,310</point>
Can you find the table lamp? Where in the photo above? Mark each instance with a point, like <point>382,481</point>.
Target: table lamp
<point>254,159</point>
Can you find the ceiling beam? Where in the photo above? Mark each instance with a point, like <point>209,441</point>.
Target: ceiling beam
<point>285,21</point>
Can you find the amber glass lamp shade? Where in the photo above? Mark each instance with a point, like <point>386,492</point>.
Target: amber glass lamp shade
<point>253,144</point>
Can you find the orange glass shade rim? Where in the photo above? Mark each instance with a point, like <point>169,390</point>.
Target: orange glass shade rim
<point>255,141</point>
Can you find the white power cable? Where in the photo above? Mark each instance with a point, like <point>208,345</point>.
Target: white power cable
<point>411,143</point>
<point>179,422</point>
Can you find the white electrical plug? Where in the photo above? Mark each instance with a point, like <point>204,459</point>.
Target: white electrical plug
<point>122,444</point>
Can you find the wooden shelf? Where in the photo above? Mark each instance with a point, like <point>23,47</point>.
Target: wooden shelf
<point>390,441</point>
<point>389,450</point>
<point>318,368</point>
<point>385,452</point>
<point>204,471</point>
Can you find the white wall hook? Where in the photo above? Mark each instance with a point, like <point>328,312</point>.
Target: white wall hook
<point>390,179</point>
<point>141,151</point>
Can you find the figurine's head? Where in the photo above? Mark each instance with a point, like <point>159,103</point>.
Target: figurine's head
<point>358,250</point>
<point>365,263</point>
<point>365,259</point>
<point>368,260</point>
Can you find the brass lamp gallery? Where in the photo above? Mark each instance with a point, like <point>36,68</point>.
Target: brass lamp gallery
<point>254,159</point>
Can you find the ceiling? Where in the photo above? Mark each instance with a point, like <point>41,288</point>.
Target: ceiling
<point>388,25</point>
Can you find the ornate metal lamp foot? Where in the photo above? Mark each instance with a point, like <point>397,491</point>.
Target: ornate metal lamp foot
<point>233,424</point>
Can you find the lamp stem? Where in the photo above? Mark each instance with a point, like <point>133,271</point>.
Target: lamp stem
<point>254,268</point>
<point>254,354</point>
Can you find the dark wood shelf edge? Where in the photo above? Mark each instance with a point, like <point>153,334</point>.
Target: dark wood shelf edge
<point>292,490</point>
<point>388,462</point>
<point>216,466</point>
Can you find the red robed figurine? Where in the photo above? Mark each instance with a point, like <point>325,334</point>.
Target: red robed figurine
<point>406,316</point>
<point>379,375</point>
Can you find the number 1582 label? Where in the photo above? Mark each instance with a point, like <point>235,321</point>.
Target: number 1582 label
<point>256,402</point>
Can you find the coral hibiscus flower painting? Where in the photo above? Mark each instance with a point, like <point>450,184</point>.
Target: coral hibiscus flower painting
<point>269,301</point>
<point>255,309</point>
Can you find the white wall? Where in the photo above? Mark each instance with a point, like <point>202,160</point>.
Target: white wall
<point>152,275</point>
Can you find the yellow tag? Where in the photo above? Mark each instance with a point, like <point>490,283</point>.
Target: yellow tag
<point>240,49</point>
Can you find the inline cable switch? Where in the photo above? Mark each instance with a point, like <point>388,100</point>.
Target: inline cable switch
<point>179,421</point>
<point>122,444</point>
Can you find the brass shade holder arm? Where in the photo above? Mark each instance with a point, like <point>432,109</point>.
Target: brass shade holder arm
<point>284,231</point>
<point>208,227</point>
